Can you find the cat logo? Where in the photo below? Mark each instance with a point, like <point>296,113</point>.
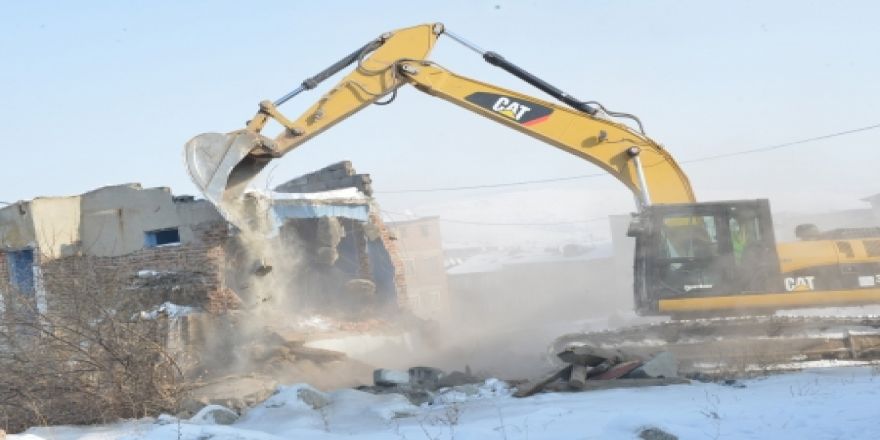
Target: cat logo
<point>525,112</point>
<point>794,284</point>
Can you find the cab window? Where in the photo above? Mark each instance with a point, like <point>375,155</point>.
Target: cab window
<point>689,236</point>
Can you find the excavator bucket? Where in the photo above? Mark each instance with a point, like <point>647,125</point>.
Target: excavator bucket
<point>222,165</point>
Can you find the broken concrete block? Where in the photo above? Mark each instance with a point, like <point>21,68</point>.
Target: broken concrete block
<point>341,165</point>
<point>663,364</point>
<point>578,376</point>
<point>425,377</point>
<point>215,415</point>
<point>387,378</point>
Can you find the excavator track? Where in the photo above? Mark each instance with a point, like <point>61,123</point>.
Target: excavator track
<point>744,344</point>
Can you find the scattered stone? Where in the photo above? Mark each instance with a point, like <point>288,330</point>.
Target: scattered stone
<point>389,378</point>
<point>654,433</point>
<point>663,364</point>
<point>215,415</point>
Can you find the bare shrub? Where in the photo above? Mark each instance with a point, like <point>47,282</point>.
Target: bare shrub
<point>86,358</point>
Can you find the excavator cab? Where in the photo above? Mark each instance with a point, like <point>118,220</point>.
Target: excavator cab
<point>703,250</point>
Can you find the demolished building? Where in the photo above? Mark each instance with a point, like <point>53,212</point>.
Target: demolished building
<point>125,236</point>
<point>166,249</point>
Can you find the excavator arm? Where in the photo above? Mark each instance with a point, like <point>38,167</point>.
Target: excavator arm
<point>222,164</point>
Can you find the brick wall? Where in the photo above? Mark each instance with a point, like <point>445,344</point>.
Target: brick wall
<point>186,274</point>
<point>391,246</point>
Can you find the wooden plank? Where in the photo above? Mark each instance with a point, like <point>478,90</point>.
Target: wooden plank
<point>618,370</point>
<point>531,388</point>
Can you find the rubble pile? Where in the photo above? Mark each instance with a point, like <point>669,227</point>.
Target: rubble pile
<point>595,368</point>
<point>423,384</point>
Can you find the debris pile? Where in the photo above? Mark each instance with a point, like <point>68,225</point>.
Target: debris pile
<point>595,368</point>
<point>424,384</point>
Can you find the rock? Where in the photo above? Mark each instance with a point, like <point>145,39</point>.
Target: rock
<point>663,364</point>
<point>653,433</point>
<point>312,398</point>
<point>425,377</point>
<point>215,415</point>
<point>387,378</point>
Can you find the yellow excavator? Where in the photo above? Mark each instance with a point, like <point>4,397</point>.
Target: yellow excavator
<point>692,258</point>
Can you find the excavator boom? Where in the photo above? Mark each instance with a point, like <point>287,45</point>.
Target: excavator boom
<point>222,164</point>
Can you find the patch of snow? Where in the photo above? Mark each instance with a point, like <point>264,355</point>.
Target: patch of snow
<point>214,415</point>
<point>491,388</point>
<point>167,309</point>
<point>818,403</point>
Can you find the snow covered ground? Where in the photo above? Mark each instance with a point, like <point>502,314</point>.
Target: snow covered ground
<point>830,403</point>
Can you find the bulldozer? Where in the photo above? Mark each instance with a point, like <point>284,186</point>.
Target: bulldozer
<point>692,258</point>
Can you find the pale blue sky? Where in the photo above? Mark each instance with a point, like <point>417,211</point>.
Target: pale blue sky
<point>98,93</point>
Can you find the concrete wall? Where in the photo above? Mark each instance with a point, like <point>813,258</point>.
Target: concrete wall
<point>115,218</point>
<point>191,213</point>
<point>56,222</point>
<point>16,226</point>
